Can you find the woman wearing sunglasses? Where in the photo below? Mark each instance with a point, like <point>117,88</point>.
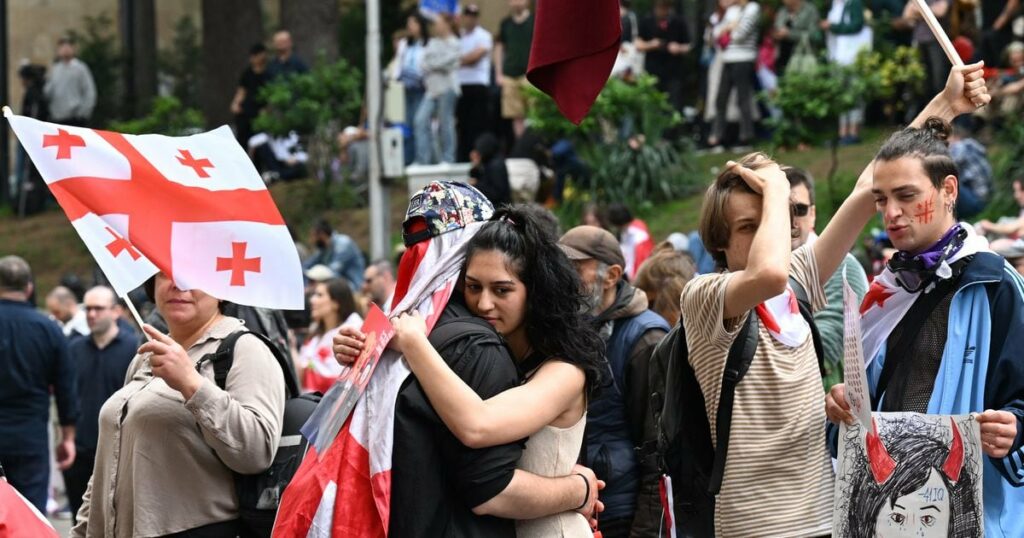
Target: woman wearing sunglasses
<point>943,325</point>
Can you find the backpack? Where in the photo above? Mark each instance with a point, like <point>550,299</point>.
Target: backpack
<point>683,444</point>
<point>260,494</point>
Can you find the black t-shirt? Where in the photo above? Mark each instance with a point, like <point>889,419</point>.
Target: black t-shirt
<point>659,62</point>
<point>252,82</point>
<point>436,480</point>
<point>517,39</point>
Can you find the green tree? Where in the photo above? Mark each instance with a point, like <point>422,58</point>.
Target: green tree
<point>179,65</point>
<point>314,104</point>
<point>623,141</point>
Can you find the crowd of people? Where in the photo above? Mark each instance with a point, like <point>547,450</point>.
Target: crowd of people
<point>535,418</point>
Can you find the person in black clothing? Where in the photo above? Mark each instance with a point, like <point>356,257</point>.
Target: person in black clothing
<point>101,362</point>
<point>33,357</point>
<point>665,39</point>
<point>285,61</point>
<point>31,191</point>
<point>489,173</point>
<point>247,102</point>
<point>996,29</point>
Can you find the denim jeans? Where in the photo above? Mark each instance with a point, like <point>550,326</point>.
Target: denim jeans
<point>444,107</point>
<point>30,475</point>
<point>413,98</point>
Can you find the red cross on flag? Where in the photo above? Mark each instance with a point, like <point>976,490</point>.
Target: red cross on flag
<point>193,207</point>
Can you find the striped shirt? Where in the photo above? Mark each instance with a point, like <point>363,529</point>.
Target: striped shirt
<point>778,477</point>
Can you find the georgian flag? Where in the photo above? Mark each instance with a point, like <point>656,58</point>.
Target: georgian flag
<point>193,207</point>
<point>18,518</point>
<point>781,316</point>
<point>346,490</point>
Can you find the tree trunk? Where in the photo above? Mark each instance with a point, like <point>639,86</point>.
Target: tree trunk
<point>230,27</point>
<point>314,28</point>
<point>143,66</point>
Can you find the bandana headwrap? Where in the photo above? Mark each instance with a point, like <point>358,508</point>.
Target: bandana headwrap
<point>347,491</point>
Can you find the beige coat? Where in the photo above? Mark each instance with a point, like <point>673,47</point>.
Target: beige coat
<point>163,464</point>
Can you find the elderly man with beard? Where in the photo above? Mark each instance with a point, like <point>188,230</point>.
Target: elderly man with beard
<point>101,362</point>
<point>618,419</point>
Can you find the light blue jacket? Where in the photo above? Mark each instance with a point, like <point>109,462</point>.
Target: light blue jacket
<point>986,321</point>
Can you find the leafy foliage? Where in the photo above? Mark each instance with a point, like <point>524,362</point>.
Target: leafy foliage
<point>622,140</point>
<point>98,48</point>
<point>180,63</point>
<point>168,117</point>
<point>303,102</point>
<point>1007,167</point>
<point>891,76</point>
<point>812,102</point>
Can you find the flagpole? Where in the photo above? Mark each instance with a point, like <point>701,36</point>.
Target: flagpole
<point>135,313</point>
<point>378,201</point>
<point>940,34</point>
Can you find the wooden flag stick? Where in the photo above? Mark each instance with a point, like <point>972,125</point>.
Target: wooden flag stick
<point>135,313</point>
<point>940,34</point>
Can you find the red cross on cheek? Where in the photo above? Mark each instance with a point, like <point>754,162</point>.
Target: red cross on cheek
<point>198,165</point>
<point>238,264</point>
<point>64,142</point>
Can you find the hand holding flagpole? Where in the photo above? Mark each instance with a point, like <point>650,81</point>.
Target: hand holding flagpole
<point>940,34</point>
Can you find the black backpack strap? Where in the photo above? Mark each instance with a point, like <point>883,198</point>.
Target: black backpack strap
<point>803,301</point>
<point>224,358</point>
<point>741,354</point>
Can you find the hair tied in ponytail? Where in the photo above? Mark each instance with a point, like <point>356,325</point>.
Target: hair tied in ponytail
<point>938,128</point>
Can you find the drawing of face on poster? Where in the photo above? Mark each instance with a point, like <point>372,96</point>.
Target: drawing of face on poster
<point>911,476</point>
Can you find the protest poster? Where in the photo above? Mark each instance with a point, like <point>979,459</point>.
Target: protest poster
<point>909,475</point>
<point>853,358</point>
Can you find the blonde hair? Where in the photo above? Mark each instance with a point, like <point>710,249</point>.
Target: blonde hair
<point>662,277</point>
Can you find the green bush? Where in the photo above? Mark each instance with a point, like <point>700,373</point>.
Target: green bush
<point>892,76</point>
<point>316,105</point>
<point>180,62</point>
<point>168,117</point>
<point>622,140</point>
<point>812,102</point>
<point>307,101</point>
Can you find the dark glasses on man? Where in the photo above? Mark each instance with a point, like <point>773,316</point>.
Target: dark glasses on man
<point>800,210</point>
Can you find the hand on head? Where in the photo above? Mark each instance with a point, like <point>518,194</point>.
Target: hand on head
<point>768,174</point>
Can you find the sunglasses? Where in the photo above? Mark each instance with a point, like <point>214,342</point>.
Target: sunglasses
<point>800,210</point>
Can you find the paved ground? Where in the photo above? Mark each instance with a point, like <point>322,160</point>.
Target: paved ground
<point>63,526</point>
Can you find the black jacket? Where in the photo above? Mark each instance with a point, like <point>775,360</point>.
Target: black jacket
<point>436,480</point>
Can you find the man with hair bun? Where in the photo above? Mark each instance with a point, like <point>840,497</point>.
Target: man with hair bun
<point>943,325</point>
<point>778,480</point>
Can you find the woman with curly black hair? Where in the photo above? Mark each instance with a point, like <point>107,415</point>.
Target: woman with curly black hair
<point>518,280</point>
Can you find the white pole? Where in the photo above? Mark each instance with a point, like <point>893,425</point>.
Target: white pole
<point>135,314</point>
<point>940,34</point>
<point>378,204</point>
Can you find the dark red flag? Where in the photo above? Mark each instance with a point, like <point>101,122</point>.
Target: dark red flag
<point>575,43</point>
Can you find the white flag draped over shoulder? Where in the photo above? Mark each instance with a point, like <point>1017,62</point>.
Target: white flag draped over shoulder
<point>193,207</point>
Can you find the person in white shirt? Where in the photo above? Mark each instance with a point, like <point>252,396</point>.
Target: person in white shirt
<point>471,113</point>
<point>70,90</point>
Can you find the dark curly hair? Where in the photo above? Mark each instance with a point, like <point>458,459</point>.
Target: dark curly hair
<point>556,322</point>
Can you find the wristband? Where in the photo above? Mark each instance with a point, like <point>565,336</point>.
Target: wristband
<point>587,496</point>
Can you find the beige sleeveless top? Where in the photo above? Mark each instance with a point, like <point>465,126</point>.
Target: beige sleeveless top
<point>553,452</point>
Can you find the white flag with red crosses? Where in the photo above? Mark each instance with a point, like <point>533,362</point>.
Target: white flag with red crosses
<point>193,207</point>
